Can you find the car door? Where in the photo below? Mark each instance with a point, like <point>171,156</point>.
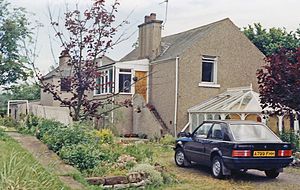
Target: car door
<point>216,140</point>
<point>194,149</point>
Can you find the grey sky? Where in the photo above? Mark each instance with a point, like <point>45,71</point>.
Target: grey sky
<point>182,15</point>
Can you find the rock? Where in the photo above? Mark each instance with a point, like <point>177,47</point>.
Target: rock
<point>96,180</point>
<point>116,180</point>
<point>135,177</point>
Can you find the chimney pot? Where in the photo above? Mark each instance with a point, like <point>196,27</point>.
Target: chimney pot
<point>147,19</point>
<point>152,16</point>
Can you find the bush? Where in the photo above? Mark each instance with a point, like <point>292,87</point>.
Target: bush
<point>155,177</point>
<point>8,122</point>
<point>292,138</point>
<point>167,140</point>
<point>47,126</point>
<point>60,137</point>
<point>83,156</point>
<point>104,136</point>
<point>3,136</point>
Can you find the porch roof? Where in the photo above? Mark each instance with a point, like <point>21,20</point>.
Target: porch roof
<point>234,100</point>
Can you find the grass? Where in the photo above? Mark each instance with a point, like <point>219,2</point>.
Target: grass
<point>19,170</point>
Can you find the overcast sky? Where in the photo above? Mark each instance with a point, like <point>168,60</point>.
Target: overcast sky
<point>182,15</point>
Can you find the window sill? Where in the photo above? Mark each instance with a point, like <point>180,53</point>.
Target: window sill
<point>209,85</point>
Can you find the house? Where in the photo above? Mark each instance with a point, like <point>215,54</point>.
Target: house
<point>166,76</point>
<point>192,66</point>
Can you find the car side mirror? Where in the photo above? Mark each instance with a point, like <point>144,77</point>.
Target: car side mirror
<point>184,134</point>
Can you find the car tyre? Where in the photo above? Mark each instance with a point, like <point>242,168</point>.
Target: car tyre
<point>217,167</point>
<point>180,158</point>
<point>272,174</point>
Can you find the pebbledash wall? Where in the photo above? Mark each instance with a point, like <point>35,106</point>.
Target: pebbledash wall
<point>60,114</point>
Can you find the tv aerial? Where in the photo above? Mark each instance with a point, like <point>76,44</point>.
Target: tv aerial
<point>166,12</point>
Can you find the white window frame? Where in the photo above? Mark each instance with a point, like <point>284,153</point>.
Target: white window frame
<point>105,77</point>
<point>118,78</point>
<point>214,83</point>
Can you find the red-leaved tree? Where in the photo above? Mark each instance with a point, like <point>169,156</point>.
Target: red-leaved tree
<point>85,37</point>
<point>279,82</point>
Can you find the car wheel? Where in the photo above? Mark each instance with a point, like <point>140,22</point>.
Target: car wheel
<point>217,167</point>
<point>180,158</point>
<point>272,173</point>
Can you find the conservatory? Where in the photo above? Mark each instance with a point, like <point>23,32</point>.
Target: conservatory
<point>236,103</point>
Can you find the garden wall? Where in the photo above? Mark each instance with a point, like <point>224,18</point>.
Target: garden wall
<point>60,114</point>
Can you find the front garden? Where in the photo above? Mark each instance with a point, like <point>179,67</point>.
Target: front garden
<point>105,159</point>
<point>99,153</point>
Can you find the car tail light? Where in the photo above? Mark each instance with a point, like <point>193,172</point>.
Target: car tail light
<point>241,153</point>
<point>284,153</point>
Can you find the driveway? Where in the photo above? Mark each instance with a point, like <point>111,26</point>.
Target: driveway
<point>199,177</point>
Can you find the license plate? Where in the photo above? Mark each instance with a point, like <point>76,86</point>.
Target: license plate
<point>264,154</point>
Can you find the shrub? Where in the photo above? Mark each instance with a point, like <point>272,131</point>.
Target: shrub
<point>56,139</point>
<point>104,136</point>
<point>8,122</point>
<point>167,140</point>
<point>47,126</point>
<point>155,177</point>
<point>292,138</point>
<point>83,156</point>
<point>3,136</point>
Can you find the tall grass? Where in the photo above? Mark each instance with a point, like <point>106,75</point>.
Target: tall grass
<point>16,173</point>
<point>19,171</point>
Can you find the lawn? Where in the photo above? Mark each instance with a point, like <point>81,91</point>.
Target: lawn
<point>19,170</point>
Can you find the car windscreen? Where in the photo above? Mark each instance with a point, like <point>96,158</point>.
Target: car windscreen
<point>252,132</point>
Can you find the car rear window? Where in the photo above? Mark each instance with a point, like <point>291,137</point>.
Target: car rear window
<point>252,132</point>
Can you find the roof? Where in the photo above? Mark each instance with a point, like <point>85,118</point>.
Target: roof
<point>234,100</point>
<point>233,121</point>
<point>66,71</point>
<point>176,44</point>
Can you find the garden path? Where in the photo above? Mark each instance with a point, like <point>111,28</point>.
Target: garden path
<point>48,159</point>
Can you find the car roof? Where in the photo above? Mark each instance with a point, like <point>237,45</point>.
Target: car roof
<point>233,121</point>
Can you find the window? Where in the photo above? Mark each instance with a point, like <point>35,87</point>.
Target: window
<point>216,132</point>
<point>252,132</point>
<point>125,80</point>
<point>65,84</point>
<point>104,83</point>
<point>202,131</point>
<point>209,70</point>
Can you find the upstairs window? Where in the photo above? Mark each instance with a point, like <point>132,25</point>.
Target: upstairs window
<point>65,85</point>
<point>104,83</point>
<point>125,80</point>
<point>209,69</point>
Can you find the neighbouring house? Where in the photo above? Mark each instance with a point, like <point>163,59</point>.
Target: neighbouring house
<point>174,75</point>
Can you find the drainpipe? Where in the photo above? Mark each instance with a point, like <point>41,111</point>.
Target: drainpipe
<point>176,95</point>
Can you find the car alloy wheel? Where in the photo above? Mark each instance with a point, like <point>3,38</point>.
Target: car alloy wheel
<point>216,167</point>
<point>179,157</point>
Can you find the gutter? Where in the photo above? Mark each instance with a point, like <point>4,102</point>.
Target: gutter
<point>176,94</point>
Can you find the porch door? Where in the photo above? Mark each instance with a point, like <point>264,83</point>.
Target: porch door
<point>141,85</point>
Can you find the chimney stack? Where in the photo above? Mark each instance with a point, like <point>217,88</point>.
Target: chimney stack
<point>150,37</point>
<point>64,58</point>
